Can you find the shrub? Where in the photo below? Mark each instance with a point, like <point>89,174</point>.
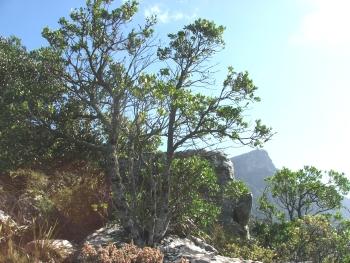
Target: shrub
<point>81,197</point>
<point>71,196</point>
<point>24,195</point>
<point>194,194</point>
<point>14,248</point>
<point>129,253</point>
<point>233,247</point>
<point>314,238</point>
<point>235,189</point>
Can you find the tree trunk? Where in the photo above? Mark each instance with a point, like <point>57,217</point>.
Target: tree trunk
<point>128,222</point>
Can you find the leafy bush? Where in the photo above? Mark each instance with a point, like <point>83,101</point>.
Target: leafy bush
<point>24,195</point>
<point>314,238</point>
<point>250,250</point>
<point>194,194</point>
<point>235,189</point>
<point>233,247</point>
<point>308,191</point>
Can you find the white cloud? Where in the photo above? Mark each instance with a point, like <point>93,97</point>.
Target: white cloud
<point>165,16</point>
<point>327,25</point>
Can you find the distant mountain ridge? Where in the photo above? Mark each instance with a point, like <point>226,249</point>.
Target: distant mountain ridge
<point>253,167</point>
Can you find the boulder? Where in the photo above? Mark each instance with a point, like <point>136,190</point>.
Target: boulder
<point>193,250</point>
<point>111,233</point>
<point>8,227</point>
<point>5,219</point>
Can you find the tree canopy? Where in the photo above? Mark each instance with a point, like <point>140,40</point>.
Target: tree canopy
<point>308,191</point>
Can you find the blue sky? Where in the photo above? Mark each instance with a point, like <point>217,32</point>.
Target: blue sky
<point>297,52</point>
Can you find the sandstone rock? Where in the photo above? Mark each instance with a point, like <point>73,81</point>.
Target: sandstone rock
<point>242,210</point>
<point>176,249</point>
<point>6,219</point>
<point>111,233</point>
<point>8,227</point>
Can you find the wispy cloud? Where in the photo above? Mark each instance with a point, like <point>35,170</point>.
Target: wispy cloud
<point>166,16</point>
<point>325,26</point>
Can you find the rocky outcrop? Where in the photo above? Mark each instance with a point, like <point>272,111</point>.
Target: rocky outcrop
<point>174,248</point>
<point>235,215</point>
<point>111,233</point>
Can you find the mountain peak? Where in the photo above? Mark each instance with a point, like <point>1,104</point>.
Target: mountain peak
<point>253,161</point>
<point>252,168</point>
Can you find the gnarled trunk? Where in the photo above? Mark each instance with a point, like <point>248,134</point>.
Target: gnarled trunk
<point>127,220</point>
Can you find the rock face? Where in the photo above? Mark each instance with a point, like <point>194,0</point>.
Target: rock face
<point>174,248</point>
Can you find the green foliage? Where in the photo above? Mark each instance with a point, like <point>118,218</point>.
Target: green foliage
<point>318,238</point>
<point>308,191</point>
<point>248,249</point>
<point>194,194</point>
<point>314,238</point>
<point>235,189</point>
<point>23,92</point>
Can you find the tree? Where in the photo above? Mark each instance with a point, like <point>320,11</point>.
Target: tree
<point>28,94</point>
<point>194,116</point>
<point>32,104</point>
<point>112,105</point>
<point>307,191</point>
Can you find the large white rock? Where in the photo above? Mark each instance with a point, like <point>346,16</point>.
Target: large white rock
<point>193,250</point>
